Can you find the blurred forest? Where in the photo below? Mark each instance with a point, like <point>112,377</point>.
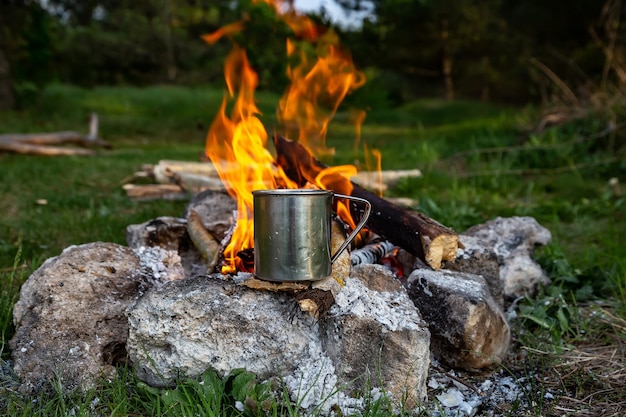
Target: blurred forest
<point>493,50</point>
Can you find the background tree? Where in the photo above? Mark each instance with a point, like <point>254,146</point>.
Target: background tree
<point>480,49</point>
<point>26,50</point>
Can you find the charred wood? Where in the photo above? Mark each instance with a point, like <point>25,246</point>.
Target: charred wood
<point>415,232</point>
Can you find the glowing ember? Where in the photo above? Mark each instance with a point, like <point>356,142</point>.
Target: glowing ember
<point>236,143</point>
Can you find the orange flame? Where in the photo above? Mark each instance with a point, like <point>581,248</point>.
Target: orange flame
<point>236,144</point>
<point>226,30</point>
<point>316,90</point>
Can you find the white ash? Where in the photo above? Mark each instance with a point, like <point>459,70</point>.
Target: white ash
<point>163,265</point>
<point>444,279</point>
<point>394,310</point>
<point>450,397</point>
<point>314,387</point>
<point>241,277</point>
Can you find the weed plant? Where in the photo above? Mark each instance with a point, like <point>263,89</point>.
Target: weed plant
<point>476,162</point>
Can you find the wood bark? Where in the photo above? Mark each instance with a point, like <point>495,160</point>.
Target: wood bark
<point>51,143</point>
<point>415,232</point>
<point>195,176</point>
<point>148,192</point>
<point>446,58</point>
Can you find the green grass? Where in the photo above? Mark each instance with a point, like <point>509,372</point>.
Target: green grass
<point>556,177</point>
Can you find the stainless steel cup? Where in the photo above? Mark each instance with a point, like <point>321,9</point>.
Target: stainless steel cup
<point>292,233</point>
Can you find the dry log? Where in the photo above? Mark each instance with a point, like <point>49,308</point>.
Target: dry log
<point>383,180</point>
<point>149,192</point>
<point>203,175</point>
<point>48,143</point>
<point>415,232</point>
<point>206,244</point>
<point>29,149</point>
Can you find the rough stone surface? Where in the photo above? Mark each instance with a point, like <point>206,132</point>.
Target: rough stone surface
<point>478,259</point>
<point>169,233</point>
<point>376,278</point>
<point>216,209</point>
<point>190,326</point>
<point>187,327</point>
<point>378,336</point>
<point>468,328</point>
<point>70,318</point>
<point>513,240</point>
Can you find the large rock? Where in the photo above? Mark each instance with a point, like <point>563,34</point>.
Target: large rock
<point>70,318</point>
<point>513,240</point>
<point>477,259</point>
<point>376,334</point>
<point>468,328</point>
<point>187,327</point>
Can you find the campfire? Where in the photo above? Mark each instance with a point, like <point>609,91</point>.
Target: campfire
<point>237,146</point>
<point>186,299</point>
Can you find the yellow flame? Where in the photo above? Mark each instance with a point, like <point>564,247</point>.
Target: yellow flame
<point>236,146</point>
<point>236,143</point>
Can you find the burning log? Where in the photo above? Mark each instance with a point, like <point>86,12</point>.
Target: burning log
<point>415,232</point>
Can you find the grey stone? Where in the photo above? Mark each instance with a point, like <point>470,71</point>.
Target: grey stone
<point>376,278</point>
<point>70,318</point>
<point>187,327</point>
<point>216,209</point>
<point>468,328</point>
<point>169,233</point>
<point>478,259</point>
<point>375,336</point>
<point>513,240</point>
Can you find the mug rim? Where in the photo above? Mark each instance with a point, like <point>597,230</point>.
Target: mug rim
<point>292,191</point>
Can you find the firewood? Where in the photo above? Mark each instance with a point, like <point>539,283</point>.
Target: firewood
<point>415,232</point>
<point>203,175</point>
<point>206,244</point>
<point>383,180</point>
<point>148,192</point>
<point>46,143</point>
<point>6,144</point>
<point>259,284</point>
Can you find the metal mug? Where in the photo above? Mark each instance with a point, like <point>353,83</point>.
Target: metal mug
<point>292,233</point>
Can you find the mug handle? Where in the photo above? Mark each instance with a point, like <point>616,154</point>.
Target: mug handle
<point>366,215</point>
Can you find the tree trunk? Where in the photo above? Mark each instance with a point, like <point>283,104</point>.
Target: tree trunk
<point>446,58</point>
<point>7,95</point>
<point>170,61</point>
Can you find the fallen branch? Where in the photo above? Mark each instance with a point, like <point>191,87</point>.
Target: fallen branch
<point>48,143</point>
